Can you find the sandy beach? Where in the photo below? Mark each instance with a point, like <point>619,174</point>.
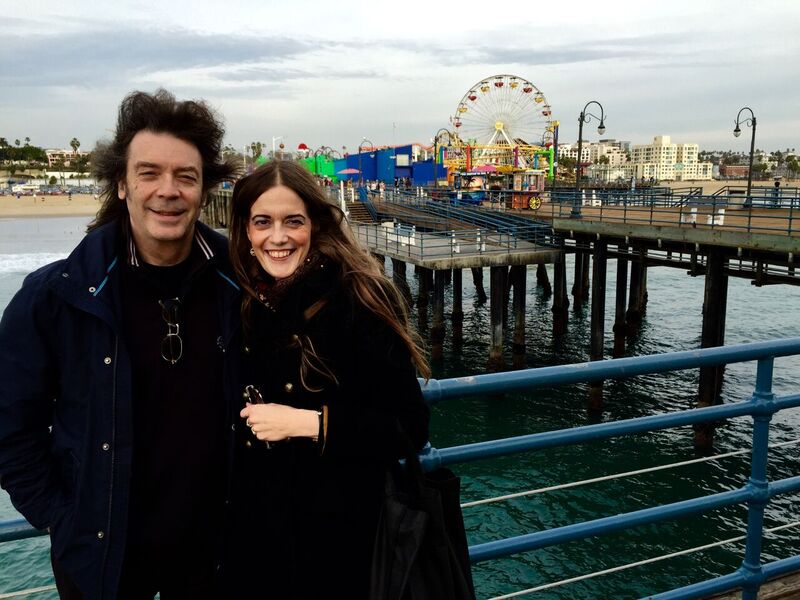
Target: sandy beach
<point>48,206</point>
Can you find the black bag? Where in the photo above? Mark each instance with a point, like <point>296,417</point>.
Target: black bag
<point>421,547</point>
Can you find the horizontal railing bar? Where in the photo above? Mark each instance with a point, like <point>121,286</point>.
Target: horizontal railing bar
<point>614,523</point>
<point>647,561</point>
<point>585,433</point>
<point>617,368</point>
<point>605,525</point>
<point>18,529</point>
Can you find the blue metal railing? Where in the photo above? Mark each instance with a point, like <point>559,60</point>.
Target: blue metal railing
<point>757,493</point>
<point>363,196</point>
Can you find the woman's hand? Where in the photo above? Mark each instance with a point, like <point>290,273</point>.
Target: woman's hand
<point>275,422</point>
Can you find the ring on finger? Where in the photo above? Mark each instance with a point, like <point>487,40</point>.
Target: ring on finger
<point>248,423</point>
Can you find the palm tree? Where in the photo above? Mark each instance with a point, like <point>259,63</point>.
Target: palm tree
<point>27,141</point>
<point>75,145</point>
<point>16,142</point>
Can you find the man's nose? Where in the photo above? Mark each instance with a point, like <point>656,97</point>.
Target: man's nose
<point>168,186</point>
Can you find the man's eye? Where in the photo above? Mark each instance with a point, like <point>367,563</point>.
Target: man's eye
<point>189,178</point>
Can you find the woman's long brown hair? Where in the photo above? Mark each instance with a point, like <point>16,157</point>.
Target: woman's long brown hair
<point>330,236</point>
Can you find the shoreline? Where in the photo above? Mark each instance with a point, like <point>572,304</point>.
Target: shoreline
<point>81,205</point>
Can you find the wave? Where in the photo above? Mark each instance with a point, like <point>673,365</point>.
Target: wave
<point>25,263</point>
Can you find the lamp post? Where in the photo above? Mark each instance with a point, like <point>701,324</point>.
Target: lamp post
<point>584,118</point>
<point>737,132</point>
<point>361,145</point>
<point>436,137</point>
<point>275,138</point>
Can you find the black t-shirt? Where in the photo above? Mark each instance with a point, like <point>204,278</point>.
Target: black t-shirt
<point>177,485</point>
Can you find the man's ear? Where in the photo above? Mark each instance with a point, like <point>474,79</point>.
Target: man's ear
<point>121,191</point>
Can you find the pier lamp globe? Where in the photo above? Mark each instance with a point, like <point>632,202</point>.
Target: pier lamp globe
<point>737,131</point>
<point>584,117</point>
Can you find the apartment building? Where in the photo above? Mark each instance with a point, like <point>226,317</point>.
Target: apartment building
<point>664,160</point>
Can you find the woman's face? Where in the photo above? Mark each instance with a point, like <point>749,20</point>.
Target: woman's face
<point>279,231</point>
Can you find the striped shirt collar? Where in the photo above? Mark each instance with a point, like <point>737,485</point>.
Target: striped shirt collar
<point>199,241</point>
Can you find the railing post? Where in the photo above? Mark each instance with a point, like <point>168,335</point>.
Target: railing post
<point>762,400</point>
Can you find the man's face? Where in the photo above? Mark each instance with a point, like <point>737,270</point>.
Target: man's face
<point>163,188</point>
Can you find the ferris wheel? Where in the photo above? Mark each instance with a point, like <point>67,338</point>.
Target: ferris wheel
<point>502,110</point>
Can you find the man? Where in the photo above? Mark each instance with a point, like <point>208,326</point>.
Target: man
<point>117,370</point>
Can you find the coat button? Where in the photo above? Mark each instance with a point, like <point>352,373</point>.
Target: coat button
<point>248,444</point>
<point>288,388</point>
<point>92,290</point>
<point>233,427</point>
<point>107,360</point>
<point>295,337</point>
<point>65,275</point>
<point>100,535</point>
<point>106,446</point>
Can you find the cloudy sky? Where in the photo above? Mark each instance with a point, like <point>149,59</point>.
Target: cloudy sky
<point>326,72</point>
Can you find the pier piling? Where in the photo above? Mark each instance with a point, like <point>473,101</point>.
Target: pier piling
<point>560,298</point>
<point>518,277</point>
<point>458,307</point>
<point>599,269</point>
<point>437,326</point>
<point>477,280</point>
<point>497,287</point>
<point>577,282</point>
<point>713,334</point>
<point>542,280</point>
<point>620,326</point>
<point>399,279</point>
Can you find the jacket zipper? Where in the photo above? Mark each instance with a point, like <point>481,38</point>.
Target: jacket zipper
<point>113,466</point>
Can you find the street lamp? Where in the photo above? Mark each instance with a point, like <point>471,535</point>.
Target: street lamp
<point>584,118</point>
<point>436,137</point>
<point>737,132</point>
<point>361,145</point>
<point>275,138</point>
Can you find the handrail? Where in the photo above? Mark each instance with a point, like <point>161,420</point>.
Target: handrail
<point>757,492</point>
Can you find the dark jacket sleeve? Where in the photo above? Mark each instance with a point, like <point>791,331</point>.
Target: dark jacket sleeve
<point>27,395</point>
<point>383,411</point>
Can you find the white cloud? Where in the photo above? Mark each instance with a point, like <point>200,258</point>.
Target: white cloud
<point>332,73</point>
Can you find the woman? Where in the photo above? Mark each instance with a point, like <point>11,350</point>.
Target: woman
<point>328,351</point>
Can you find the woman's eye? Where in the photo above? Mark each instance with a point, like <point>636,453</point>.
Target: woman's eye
<point>296,222</point>
<point>260,222</point>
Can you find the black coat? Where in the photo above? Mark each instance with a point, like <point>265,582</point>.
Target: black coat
<point>306,515</point>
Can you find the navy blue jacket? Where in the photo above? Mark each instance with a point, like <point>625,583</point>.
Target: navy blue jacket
<point>65,402</point>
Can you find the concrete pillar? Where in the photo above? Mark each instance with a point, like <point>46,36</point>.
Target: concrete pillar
<point>715,304</point>
<point>497,287</point>
<point>518,278</point>
<point>620,326</point>
<point>599,270</point>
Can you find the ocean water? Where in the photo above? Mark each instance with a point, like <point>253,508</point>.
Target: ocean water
<point>672,323</point>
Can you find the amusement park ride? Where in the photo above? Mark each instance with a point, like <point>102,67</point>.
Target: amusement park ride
<point>503,138</point>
